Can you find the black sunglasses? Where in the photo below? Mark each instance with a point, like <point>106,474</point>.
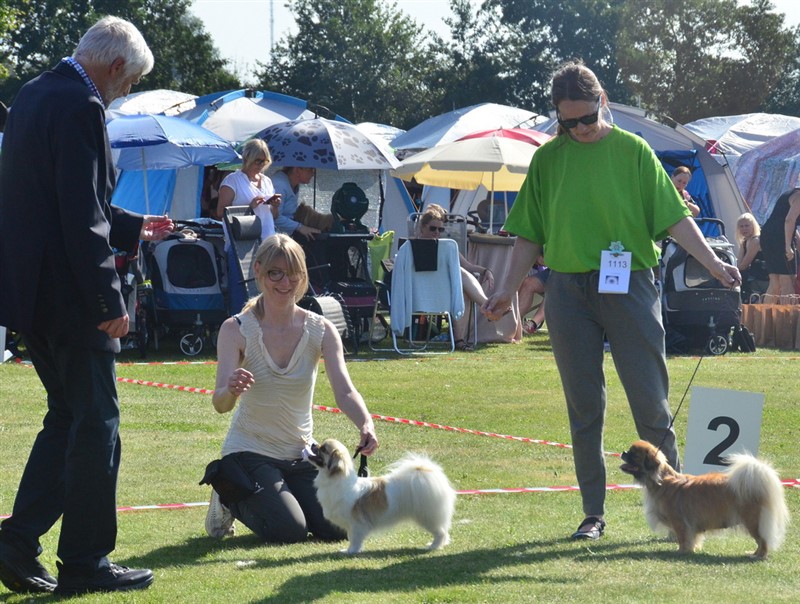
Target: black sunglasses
<point>434,229</point>
<point>587,120</point>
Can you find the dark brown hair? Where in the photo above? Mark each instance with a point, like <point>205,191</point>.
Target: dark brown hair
<point>573,81</point>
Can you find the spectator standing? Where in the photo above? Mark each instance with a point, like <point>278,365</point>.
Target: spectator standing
<point>62,293</point>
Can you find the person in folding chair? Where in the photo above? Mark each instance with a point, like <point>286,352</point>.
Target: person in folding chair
<point>595,200</point>
<point>431,226</point>
<point>268,358</point>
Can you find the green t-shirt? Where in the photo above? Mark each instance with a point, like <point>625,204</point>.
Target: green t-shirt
<point>580,197</point>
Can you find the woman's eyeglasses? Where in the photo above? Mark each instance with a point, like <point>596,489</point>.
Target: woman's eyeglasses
<point>587,120</point>
<point>434,229</point>
<point>260,162</point>
<point>276,275</point>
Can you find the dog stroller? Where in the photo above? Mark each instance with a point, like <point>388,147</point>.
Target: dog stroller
<point>699,312</point>
<point>186,271</point>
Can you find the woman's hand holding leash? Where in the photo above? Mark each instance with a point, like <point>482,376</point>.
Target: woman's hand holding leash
<point>497,306</point>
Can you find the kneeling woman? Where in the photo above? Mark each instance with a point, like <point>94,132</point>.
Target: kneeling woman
<point>267,360</point>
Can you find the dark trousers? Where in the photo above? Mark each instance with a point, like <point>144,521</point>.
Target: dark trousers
<point>72,469</point>
<point>286,509</point>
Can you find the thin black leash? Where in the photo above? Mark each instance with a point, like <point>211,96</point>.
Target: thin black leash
<point>683,398</point>
<point>363,471</point>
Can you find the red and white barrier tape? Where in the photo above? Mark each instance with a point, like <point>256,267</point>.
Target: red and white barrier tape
<point>168,386</point>
<point>411,422</point>
<point>386,418</point>
<point>792,483</point>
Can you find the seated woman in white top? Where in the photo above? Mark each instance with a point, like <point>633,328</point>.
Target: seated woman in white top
<point>268,357</point>
<point>251,187</point>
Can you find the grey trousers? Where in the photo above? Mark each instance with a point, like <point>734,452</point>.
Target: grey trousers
<point>577,317</point>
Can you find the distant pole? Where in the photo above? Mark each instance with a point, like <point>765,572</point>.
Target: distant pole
<point>271,25</point>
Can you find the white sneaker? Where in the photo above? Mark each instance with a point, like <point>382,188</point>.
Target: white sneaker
<point>219,520</point>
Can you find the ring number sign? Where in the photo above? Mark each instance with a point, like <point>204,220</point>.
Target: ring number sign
<point>721,422</point>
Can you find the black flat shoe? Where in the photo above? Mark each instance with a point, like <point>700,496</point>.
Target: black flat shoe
<point>593,528</point>
<point>23,574</point>
<point>111,578</point>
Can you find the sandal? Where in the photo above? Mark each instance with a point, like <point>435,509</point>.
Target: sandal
<point>464,346</point>
<point>593,528</point>
<point>531,326</point>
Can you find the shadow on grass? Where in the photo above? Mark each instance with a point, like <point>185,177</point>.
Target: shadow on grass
<point>407,570</point>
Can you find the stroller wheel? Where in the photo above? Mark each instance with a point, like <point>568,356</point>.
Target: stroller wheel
<point>191,344</point>
<point>717,345</point>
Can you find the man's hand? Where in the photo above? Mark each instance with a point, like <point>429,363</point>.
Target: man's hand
<point>115,328</point>
<point>156,228</point>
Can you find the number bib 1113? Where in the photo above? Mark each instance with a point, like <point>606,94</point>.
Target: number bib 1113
<point>615,272</point>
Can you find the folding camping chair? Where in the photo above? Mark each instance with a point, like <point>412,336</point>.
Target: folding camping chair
<point>424,291</point>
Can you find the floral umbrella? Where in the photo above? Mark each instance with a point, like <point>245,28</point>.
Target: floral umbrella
<point>328,144</point>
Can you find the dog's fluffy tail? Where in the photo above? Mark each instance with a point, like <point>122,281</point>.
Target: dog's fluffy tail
<point>754,480</point>
<point>430,492</point>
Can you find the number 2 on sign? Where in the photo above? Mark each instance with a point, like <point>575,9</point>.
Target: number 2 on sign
<point>714,456</point>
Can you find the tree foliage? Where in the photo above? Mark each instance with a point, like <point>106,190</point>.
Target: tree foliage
<point>48,30</point>
<point>368,61</point>
<point>554,31</point>
<point>479,62</point>
<point>362,60</point>
<point>8,23</point>
<point>698,58</point>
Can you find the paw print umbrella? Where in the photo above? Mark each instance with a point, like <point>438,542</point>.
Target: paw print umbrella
<point>326,144</point>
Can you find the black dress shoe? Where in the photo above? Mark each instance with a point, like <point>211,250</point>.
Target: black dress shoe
<point>23,574</point>
<point>111,578</point>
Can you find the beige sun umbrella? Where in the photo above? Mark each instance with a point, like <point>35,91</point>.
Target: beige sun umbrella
<point>497,163</point>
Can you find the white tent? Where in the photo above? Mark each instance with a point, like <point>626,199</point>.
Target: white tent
<point>738,134</point>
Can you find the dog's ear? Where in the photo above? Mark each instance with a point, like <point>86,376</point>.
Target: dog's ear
<point>652,463</point>
<point>336,463</point>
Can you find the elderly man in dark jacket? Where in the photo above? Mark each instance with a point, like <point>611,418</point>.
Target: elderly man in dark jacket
<point>61,291</point>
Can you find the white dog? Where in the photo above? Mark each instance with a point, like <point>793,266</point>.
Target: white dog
<point>414,489</point>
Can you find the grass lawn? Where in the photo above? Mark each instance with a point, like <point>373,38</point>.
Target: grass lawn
<point>506,547</point>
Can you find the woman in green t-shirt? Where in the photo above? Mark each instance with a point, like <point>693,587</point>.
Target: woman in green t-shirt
<point>595,188</point>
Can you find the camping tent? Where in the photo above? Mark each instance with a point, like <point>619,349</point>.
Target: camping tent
<point>735,135</point>
<point>767,171</point>
<point>237,115</point>
<point>176,192</point>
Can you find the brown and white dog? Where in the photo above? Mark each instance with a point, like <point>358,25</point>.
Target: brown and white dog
<point>748,494</point>
<point>415,488</point>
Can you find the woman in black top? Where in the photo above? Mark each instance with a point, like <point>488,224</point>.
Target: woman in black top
<point>778,243</point>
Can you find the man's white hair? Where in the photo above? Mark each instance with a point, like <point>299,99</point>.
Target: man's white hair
<point>113,38</point>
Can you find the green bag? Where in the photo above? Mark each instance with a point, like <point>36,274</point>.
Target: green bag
<point>380,247</point>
